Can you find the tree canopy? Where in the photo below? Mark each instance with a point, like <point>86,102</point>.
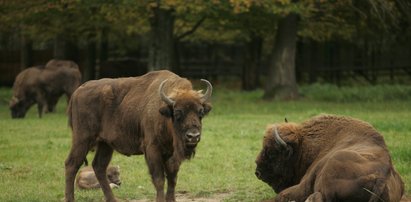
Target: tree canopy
<point>128,24</point>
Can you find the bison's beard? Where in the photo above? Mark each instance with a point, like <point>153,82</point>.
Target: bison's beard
<point>278,187</point>
<point>276,182</point>
<point>189,151</point>
<point>184,150</point>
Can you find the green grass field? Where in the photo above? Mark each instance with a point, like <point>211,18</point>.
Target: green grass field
<point>33,150</point>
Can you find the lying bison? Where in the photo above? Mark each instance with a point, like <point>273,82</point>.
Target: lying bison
<point>86,179</point>
<point>157,114</point>
<point>43,86</point>
<point>328,158</point>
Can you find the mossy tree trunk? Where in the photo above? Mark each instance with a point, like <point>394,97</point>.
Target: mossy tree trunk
<point>281,81</point>
<point>26,52</point>
<point>161,36</point>
<point>250,75</point>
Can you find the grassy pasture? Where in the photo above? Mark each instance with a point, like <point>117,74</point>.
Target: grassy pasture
<point>33,150</point>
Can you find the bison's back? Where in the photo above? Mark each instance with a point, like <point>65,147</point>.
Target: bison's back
<point>61,80</point>
<point>93,98</point>
<point>110,95</point>
<point>56,64</point>
<point>340,131</point>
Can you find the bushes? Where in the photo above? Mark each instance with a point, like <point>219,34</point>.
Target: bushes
<point>378,93</point>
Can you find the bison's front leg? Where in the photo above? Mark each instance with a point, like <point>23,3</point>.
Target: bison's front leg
<point>51,103</point>
<point>172,167</point>
<point>41,103</point>
<point>294,193</point>
<point>315,197</point>
<point>155,166</point>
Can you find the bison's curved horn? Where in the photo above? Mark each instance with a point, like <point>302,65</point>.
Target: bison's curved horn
<point>278,139</point>
<point>166,99</point>
<point>208,92</point>
<point>13,100</point>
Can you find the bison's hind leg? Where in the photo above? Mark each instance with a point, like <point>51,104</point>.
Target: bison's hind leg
<point>100,162</point>
<point>73,162</point>
<point>315,197</point>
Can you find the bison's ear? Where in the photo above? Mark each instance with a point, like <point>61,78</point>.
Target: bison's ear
<point>207,108</point>
<point>289,152</point>
<point>166,111</point>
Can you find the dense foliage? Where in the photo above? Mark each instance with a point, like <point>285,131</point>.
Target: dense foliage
<point>225,21</point>
<point>154,29</point>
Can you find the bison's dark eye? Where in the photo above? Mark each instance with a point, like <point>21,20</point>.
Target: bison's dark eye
<point>201,113</point>
<point>265,151</point>
<point>268,154</point>
<point>178,114</point>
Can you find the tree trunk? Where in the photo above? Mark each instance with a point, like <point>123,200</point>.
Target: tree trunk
<point>161,47</point>
<point>103,56</point>
<point>250,76</point>
<point>175,58</point>
<point>59,47</point>
<point>26,55</point>
<point>65,49</point>
<point>281,82</point>
<point>90,68</point>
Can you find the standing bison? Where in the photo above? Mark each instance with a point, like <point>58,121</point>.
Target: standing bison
<point>328,158</point>
<point>43,86</point>
<point>157,114</point>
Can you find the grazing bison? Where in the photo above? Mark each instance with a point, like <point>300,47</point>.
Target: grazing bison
<point>328,158</point>
<point>86,179</point>
<point>43,86</point>
<point>157,114</point>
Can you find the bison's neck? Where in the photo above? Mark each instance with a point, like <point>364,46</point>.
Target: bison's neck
<point>313,147</point>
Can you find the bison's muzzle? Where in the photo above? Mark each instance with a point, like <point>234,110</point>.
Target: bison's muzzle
<point>193,137</point>
<point>258,174</point>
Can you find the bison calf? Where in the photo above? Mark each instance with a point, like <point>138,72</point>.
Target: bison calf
<point>86,178</point>
<point>328,158</point>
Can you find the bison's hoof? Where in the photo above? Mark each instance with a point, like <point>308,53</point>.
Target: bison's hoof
<point>114,186</point>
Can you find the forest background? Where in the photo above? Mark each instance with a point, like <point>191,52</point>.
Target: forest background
<point>269,44</point>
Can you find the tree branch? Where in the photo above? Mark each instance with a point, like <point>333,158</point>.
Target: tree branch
<point>192,30</point>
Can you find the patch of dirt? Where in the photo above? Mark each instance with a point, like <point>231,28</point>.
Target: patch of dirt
<point>406,199</point>
<point>186,198</point>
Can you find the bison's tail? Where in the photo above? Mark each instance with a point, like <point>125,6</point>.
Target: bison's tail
<point>69,112</point>
<point>377,192</point>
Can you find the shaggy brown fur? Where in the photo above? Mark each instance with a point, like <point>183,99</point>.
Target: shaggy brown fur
<point>131,116</point>
<point>43,86</point>
<point>86,178</point>
<point>328,158</point>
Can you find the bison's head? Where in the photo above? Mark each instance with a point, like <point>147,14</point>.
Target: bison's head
<point>186,108</point>
<point>113,175</point>
<point>275,161</point>
<point>19,107</point>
